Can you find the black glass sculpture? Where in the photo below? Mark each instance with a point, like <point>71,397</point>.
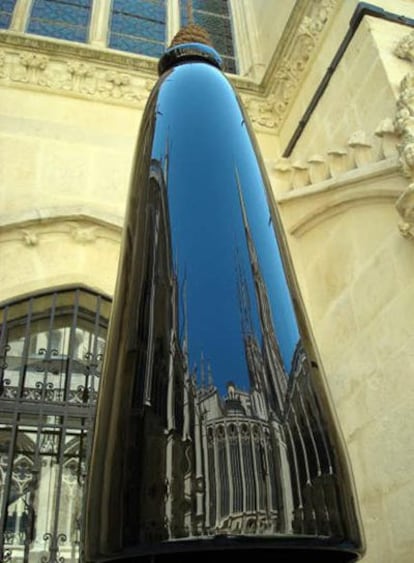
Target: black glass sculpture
<point>213,435</point>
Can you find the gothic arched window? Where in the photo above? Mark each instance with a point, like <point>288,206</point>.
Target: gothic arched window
<point>51,347</point>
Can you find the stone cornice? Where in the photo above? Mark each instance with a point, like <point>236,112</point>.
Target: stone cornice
<point>377,182</point>
<point>78,70</point>
<point>75,70</point>
<point>37,216</point>
<point>68,49</point>
<point>80,230</point>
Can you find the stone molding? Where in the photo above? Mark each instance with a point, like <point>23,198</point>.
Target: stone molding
<point>360,151</point>
<point>82,230</point>
<point>355,188</point>
<point>94,213</point>
<point>40,64</point>
<point>405,207</point>
<point>286,71</point>
<point>404,128</point>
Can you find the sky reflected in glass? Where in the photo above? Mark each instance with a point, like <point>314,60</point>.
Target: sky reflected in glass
<point>223,242</point>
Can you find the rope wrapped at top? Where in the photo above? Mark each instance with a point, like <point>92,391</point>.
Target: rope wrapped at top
<point>192,33</point>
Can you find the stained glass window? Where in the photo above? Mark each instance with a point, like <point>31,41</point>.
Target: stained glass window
<point>138,27</point>
<point>6,11</point>
<point>214,16</point>
<point>63,19</point>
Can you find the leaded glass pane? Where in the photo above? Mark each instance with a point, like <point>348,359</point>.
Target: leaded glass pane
<point>229,64</point>
<point>136,45</point>
<point>138,26</point>
<point>150,10</point>
<point>219,29</point>
<point>6,11</point>
<point>126,25</point>
<point>63,19</point>
<point>213,6</point>
<point>214,17</point>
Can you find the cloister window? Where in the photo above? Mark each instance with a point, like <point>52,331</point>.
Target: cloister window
<point>51,347</point>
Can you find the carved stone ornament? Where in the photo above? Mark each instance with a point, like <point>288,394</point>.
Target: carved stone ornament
<point>405,48</point>
<point>405,207</point>
<point>404,129</point>
<point>404,125</point>
<point>268,104</point>
<point>34,233</point>
<point>289,69</point>
<point>29,238</point>
<point>52,69</point>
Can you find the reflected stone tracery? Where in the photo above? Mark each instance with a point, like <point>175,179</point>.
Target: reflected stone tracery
<point>254,461</point>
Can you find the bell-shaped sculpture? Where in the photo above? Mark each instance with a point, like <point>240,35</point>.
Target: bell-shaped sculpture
<point>214,434</point>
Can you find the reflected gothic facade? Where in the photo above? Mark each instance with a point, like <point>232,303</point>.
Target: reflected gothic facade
<point>255,461</point>
<point>225,429</point>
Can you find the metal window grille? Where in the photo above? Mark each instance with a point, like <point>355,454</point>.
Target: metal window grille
<point>51,347</point>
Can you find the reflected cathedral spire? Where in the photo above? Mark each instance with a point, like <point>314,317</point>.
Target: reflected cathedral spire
<point>272,364</point>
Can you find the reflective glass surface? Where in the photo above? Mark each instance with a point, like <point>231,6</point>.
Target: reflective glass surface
<point>138,27</point>
<point>63,19</point>
<point>213,431</point>
<point>6,11</point>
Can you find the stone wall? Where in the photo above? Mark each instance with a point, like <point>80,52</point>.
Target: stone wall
<point>346,202</point>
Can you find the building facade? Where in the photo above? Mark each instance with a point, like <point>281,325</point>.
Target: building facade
<point>328,86</point>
